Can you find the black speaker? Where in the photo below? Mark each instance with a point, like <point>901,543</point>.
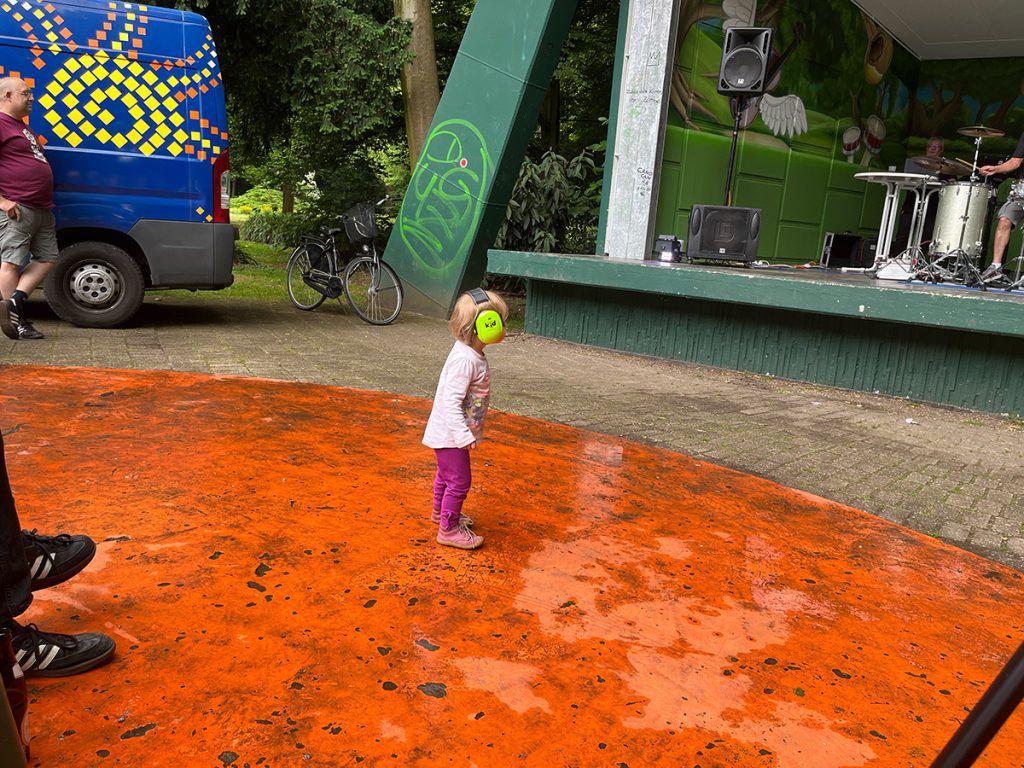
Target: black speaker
<point>745,61</point>
<point>723,234</point>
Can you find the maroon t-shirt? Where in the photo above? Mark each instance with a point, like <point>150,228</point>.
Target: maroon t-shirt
<point>25,174</point>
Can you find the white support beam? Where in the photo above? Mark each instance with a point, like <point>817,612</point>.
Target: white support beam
<point>640,138</point>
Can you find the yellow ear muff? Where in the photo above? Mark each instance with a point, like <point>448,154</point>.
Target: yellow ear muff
<point>489,328</point>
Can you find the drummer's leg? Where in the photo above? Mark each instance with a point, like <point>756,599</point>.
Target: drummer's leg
<point>1002,238</point>
<point>1010,216</point>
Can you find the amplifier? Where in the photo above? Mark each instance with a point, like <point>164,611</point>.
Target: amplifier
<point>847,250</point>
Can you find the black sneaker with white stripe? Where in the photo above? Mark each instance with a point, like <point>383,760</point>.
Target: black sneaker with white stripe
<point>55,559</point>
<point>48,654</point>
<point>9,319</point>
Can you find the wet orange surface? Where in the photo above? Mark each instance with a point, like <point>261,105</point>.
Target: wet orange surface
<point>268,569</point>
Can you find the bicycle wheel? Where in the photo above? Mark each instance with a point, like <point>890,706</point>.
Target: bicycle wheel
<point>303,295</point>
<point>373,290</point>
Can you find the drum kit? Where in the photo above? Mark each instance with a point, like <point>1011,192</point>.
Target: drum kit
<point>962,216</point>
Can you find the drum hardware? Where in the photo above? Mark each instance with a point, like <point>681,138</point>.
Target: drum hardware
<point>1018,275</point>
<point>941,165</point>
<point>962,213</point>
<point>980,132</point>
<point>960,217</point>
<point>960,263</point>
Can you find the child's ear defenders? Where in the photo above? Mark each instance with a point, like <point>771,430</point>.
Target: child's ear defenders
<point>489,327</point>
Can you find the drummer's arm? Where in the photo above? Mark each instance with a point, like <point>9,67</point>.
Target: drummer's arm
<point>1009,166</point>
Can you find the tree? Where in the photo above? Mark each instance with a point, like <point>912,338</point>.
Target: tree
<point>311,84</point>
<point>420,87</point>
<point>582,86</point>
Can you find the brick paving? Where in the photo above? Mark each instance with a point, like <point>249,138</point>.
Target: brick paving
<point>953,474</point>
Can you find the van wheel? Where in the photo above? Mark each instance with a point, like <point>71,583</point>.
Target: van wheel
<point>95,285</point>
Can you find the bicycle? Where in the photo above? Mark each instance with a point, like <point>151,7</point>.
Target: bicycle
<point>371,287</point>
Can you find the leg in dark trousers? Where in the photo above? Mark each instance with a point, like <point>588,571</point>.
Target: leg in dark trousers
<point>54,560</point>
<point>15,582</point>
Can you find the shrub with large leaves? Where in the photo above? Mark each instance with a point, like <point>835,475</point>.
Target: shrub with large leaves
<point>553,208</point>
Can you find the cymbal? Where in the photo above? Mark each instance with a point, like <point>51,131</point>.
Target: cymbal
<point>982,131</point>
<point>943,165</point>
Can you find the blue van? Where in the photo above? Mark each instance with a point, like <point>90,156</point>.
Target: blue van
<point>130,104</point>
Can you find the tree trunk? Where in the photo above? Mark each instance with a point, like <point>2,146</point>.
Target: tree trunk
<point>420,90</point>
<point>288,198</point>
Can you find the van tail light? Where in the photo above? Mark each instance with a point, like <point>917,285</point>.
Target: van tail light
<point>222,189</point>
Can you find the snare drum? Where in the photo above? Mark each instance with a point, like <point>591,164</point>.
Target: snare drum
<point>961,217</point>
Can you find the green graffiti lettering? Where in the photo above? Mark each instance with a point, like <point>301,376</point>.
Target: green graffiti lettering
<point>444,203</point>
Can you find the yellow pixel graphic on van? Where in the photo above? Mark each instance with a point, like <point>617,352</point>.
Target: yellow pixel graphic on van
<point>111,97</point>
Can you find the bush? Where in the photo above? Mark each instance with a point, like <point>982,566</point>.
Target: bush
<point>553,206</point>
<point>284,229</point>
<point>258,199</point>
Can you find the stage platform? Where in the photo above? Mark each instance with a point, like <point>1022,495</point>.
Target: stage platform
<point>942,343</point>
<point>267,566</point>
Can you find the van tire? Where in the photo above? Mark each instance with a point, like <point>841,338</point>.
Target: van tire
<point>95,285</point>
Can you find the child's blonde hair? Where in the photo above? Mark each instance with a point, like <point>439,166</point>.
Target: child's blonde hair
<point>463,320</point>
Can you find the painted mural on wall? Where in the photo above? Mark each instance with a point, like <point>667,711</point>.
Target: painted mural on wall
<point>845,88</point>
<point>842,87</point>
<point>963,92</point>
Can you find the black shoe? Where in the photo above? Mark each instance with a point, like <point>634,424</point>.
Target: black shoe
<point>9,319</point>
<point>47,654</point>
<point>55,559</point>
<point>28,331</point>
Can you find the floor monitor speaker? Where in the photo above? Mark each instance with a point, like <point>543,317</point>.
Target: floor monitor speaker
<point>723,233</point>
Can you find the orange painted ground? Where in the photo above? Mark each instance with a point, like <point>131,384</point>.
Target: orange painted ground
<point>268,570</point>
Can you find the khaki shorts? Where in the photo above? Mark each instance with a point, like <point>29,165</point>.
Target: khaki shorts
<point>1013,209</point>
<point>32,237</point>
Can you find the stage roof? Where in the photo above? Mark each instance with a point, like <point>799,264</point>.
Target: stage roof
<point>963,29</point>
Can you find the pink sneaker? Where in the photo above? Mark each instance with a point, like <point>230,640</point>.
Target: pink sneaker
<point>435,518</point>
<point>460,537</point>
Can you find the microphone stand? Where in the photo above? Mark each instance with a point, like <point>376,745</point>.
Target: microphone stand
<point>739,105</point>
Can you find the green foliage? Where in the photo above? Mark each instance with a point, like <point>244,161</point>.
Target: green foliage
<point>450,20</point>
<point>339,188</point>
<point>282,229</point>
<point>554,206</point>
<point>584,75</point>
<point>311,84</point>
<point>257,199</point>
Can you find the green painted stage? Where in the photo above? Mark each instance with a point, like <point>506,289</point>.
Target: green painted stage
<point>941,344</point>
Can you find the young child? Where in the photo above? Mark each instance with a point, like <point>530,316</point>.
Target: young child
<point>456,422</point>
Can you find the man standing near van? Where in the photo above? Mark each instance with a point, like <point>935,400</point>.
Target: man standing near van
<point>28,232</point>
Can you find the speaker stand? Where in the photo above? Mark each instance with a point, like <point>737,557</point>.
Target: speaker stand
<point>739,106</point>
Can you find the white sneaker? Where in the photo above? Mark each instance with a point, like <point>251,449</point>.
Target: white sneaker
<point>460,537</point>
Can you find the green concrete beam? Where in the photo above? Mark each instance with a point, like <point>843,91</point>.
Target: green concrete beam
<point>843,295</point>
<point>461,186</point>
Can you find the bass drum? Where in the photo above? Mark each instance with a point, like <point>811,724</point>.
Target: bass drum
<point>960,203</point>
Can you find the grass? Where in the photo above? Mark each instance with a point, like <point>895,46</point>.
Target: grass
<point>261,277</point>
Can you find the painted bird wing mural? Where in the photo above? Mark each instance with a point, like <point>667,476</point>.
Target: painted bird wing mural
<point>784,115</point>
<point>738,13</point>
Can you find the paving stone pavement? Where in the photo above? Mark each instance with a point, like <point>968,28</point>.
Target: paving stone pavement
<point>953,474</point>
